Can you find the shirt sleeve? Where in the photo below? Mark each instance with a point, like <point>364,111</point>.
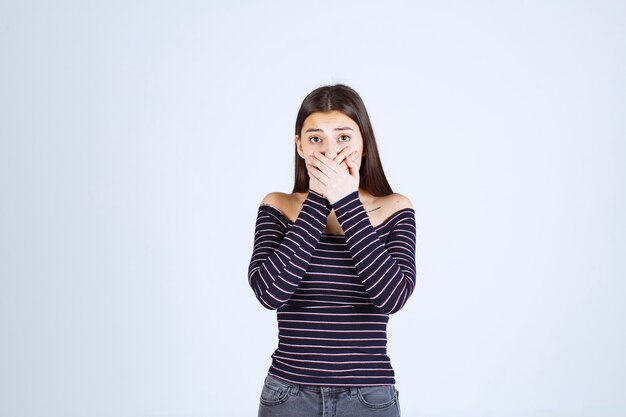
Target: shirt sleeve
<point>387,270</point>
<point>279,259</point>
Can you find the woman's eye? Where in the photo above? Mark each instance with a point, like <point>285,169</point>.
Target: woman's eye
<point>345,136</point>
<point>312,139</point>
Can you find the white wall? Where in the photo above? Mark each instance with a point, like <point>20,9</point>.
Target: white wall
<point>138,139</point>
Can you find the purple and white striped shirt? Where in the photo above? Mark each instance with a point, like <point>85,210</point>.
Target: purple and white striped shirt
<point>333,293</point>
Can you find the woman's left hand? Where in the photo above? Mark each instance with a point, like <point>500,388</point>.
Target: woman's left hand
<point>338,181</point>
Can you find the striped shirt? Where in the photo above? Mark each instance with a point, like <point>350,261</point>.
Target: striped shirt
<point>333,293</point>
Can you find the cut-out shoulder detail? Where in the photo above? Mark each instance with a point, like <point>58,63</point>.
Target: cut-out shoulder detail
<point>287,220</point>
<point>399,201</point>
<point>274,198</point>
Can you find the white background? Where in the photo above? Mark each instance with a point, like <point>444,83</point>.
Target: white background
<point>138,139</point>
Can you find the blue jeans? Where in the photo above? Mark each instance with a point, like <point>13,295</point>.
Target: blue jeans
<point>283,399</point>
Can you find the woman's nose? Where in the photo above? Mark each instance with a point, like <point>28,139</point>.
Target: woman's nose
<point>331,151</point>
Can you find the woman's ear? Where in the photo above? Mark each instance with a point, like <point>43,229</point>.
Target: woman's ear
<point>299,146</point>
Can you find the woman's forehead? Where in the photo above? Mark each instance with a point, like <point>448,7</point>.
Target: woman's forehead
<point>331,119</point>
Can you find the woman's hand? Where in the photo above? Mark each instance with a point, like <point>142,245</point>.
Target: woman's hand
<point>334,178</point>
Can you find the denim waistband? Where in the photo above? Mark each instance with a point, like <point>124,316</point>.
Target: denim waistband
<point>314,388</point>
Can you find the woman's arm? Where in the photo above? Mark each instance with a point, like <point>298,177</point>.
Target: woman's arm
<point>279,259</point>
<point>387,271</point>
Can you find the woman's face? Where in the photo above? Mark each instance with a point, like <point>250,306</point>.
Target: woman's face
<point>328,133</point>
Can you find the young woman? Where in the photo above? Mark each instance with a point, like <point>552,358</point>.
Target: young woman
<point>335,258</point>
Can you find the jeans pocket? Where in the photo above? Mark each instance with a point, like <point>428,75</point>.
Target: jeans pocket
<point>275,391</point>
<point>380,396</point>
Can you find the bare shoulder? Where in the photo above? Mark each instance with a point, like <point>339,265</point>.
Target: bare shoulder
<point>274,198</point>
<point>283,202</point>
<point>397,202</point>
<point>278,200</point>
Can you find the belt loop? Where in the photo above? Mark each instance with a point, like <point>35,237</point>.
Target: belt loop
<point>294,389</point>
<point>353,391</point>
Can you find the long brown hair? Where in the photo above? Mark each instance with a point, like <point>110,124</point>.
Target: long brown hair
<point>342,98</point>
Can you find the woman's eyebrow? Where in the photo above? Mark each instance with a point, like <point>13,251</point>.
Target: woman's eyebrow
<point>320,130</point>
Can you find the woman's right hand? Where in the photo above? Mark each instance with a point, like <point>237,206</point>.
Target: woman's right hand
<point>315,184</point>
